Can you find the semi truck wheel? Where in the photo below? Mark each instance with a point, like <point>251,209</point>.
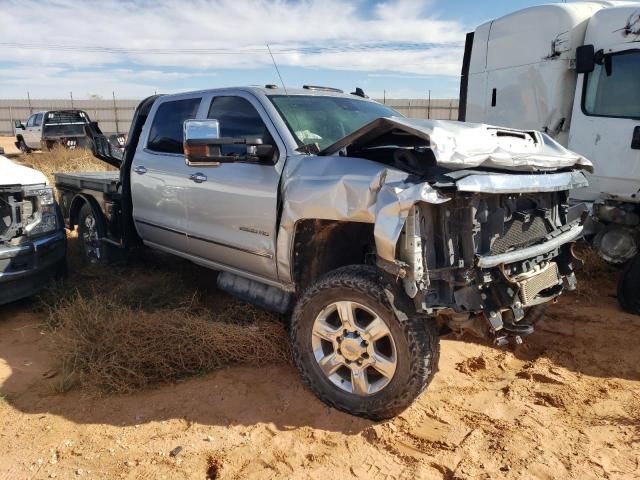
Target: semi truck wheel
<point>629,287</point>
<point>90,230</point>
<point>354,353</point>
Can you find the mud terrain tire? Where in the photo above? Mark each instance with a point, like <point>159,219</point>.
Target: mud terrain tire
<point>416,342</point>
<point>629,287</point>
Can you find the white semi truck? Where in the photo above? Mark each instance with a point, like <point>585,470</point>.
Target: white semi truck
<point>572,70</point>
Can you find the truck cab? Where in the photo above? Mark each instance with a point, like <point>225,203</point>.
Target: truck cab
<point>573,71</point>
<point>31,136</point>
<point>605,124</point>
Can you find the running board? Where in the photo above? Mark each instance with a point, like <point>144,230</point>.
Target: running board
<point>259,294</point>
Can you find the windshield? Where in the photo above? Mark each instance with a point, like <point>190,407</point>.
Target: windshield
<point>616,92</point>
<point>325,120</point>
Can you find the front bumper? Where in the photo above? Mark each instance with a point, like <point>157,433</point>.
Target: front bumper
<point>26,268</point>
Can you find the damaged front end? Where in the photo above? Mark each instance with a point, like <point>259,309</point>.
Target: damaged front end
<point>481,262</point>
<point>481,233</point>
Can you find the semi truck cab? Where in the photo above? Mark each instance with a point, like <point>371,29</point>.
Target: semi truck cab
<point>573,71</point>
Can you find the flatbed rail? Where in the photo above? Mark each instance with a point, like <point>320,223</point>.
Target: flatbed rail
<point>105,182</point>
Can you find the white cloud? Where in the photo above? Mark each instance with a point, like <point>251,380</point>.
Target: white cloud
<point>218,24</point>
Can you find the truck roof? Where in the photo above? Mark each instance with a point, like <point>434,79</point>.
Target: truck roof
<point>615,25</point>
<point>551,31</point>
<point>273,90</point>
<point>525,37</point>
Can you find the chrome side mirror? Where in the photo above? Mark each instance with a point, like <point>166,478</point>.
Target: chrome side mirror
<point>198,138</point>
<point>203,145</point>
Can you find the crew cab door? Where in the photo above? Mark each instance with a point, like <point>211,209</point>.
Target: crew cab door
<point>233,205</point>
<point>606,125</point>
<point>160,177</point>
<point>33,131</point>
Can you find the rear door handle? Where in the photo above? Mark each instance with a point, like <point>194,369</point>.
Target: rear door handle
<point>198,177</point>
<point>140,170</point>
<point>635,141</point>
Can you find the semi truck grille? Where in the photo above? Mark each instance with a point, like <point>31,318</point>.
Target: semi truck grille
<point>530,287</point>
<point>519,234</point>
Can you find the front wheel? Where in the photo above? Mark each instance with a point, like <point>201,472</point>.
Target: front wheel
<point>22,146</point>
<point>629,287</point>
<point>354,353</point>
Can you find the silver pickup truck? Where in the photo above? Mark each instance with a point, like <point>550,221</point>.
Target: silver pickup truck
<point>378,233</point>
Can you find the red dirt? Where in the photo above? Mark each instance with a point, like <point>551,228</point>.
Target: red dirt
<point>564,405</point>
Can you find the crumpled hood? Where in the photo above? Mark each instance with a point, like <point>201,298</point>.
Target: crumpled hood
<point>13,174</point>
<point>460,145</point>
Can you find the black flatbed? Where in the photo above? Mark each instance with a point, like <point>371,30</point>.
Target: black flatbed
<point>105,182</point>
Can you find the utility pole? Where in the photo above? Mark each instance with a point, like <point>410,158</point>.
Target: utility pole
<point>429,106</point>
<point>115,112</point>
<point>71,97</point>
<point>29,103</point>
<point>384,97</point>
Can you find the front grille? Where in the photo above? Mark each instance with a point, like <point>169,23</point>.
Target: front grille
<point>520,234</point>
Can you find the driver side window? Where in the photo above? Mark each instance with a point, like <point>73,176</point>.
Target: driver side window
<point>31,121</point>
<point>238,119</point>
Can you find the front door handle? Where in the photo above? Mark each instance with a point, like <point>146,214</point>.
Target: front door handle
<point>198,177</point>
<point>635,141</point>
<point>140,170</point>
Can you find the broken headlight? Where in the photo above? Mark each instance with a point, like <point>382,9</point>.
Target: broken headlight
<point>45,216</point>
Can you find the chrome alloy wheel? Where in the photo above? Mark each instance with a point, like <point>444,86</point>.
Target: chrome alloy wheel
<point>90,238</point>
<point>354,348</point>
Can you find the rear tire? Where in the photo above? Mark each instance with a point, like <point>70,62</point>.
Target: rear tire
<point>372,365</point>
<point>629,287</point>
<point>90,230</point>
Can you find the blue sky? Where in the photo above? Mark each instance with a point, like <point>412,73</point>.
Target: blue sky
<point>403,48</point>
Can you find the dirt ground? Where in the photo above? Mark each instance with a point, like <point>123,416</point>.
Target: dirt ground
<point>8,144</point>
<point>564,405</point>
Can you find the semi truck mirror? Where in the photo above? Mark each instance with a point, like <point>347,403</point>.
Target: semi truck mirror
<point>601,58</point>
<point>585,59</point>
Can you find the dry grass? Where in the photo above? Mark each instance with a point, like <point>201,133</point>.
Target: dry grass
<point>156,319</point>
<point>59,159</point>
<point>104,343</point>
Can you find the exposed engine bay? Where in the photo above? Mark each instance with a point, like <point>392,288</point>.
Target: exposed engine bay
<point>482,262</point>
